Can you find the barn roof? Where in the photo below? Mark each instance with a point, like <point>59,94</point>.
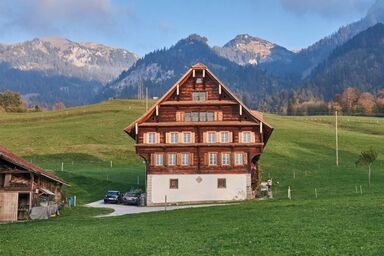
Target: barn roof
<point>257,116</point>
<point>8,156</point>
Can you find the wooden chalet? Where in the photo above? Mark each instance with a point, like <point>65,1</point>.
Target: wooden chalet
<point>23,185</point>
<point>200,143</point>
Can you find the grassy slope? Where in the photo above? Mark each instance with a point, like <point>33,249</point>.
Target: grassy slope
<point>339,222</point>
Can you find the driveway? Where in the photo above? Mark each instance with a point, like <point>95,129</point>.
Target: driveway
<point>130,209</point>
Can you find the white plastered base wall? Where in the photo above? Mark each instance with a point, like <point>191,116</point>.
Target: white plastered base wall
<point>197,188</point>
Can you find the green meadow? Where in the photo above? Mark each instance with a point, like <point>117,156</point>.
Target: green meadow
<point>346,218</point>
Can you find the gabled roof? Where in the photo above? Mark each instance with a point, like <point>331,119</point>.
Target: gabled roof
<point>254,114</point>
<point>8,156</point>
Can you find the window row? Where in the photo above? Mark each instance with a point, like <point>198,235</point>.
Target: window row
<point>199,116</point>
<point>208,137</point>
<point>174,183</point>
<point>210,159</point>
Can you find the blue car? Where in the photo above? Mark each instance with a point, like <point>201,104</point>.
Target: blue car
<point>113,197</point>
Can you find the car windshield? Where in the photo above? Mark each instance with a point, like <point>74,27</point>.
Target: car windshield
<point>112,193</point>
<point>131,194</point>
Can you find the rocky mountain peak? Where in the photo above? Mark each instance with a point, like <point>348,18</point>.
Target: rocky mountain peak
<point>196,37</point>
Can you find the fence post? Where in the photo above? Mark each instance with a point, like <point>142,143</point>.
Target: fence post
<point>289,193</point>
<point>62,166</point>
<point>165,206</point>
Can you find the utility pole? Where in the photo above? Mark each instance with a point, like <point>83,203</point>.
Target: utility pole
<point>337,143</point>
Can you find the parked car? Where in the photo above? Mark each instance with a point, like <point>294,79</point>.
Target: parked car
<point>113,197</point>
<point>132,198</point>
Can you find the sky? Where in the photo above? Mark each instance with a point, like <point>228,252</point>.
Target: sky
<point>142,26</point>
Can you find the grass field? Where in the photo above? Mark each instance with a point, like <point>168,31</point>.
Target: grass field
<point>300,154</point>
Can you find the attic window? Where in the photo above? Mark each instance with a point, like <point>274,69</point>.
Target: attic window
<point>199,96</point>
<point>199,80</point>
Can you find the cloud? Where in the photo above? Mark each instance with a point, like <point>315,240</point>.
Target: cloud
<point>327,8</point>
<point>58,16</point>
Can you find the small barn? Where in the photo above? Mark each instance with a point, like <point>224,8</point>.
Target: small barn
<point>24,185</point>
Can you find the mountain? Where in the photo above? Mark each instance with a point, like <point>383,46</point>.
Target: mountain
<point>160,69</point>
<point>49,70</point>
<point>307,59</point>
<point>245,49</point>
<point>358,63</point>
<point>59,56</point>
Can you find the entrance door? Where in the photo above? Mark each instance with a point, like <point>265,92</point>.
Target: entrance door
<point>8,206</point>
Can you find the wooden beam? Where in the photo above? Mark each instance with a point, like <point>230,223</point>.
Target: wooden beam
<point>193,73</point>
<point>177,89</point>
<point>157,110</point>
<point>203,72</point>
<point>219,89</point>
<point>136,128</point>
<point>261,127</point>
<point>241,109</point>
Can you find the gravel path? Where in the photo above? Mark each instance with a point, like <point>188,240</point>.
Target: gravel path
<point>130,209</point>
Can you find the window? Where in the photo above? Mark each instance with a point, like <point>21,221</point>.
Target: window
<point>187,117</point>
<point>239,159</point>
<point>210,116</point>
<point>199,116</point>
<point>187,137</point>
<point>225,137</point>
<point>203,116</point>
<point>199,80</point>
<point>173,183</point>
<point>211,137</point>
<point>226,159</point>
<point>221,183</point>
<point>199,96</point>
<point>171,159</point>
<point>212,158</point>
<point>174,137</point>
<point>159,159</point>
<point>246,137</point>
<point>151,138</point>
<point>195,116</point>
<point>185,159</point>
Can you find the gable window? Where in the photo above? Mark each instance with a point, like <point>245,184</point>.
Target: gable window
<point>159,159</point>
<point>226,159</point>
<point>171,159</point>
<point>221,183</point>
<point>224,137</point>
<point>211,137</point>
<point>195,116</point>
<point>210,116</point>
<point>203,116</point>
<point>187,117</point>
<point>199,80</point>
<point>212,159</point>
<point>199,116</point>
<point>151,138</point>
<point>185,159</point>
<point>187,137</point>
<point>173,183</point>
<point>199,96</point>
<point>174,137</point>
<point>239,158</point>
<point>246,137</point>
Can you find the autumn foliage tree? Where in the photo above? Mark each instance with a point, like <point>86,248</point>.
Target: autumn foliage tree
<point>12,102</point>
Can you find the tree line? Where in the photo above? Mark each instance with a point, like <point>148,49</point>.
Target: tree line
<point>13,102</point>
<point>350,102</point>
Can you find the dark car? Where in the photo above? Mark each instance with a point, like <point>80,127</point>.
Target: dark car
<point>132,198</point>
<point>113,197</point>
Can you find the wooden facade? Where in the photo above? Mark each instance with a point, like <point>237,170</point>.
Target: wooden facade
<point>200,128</point>
<point>22,184</point>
